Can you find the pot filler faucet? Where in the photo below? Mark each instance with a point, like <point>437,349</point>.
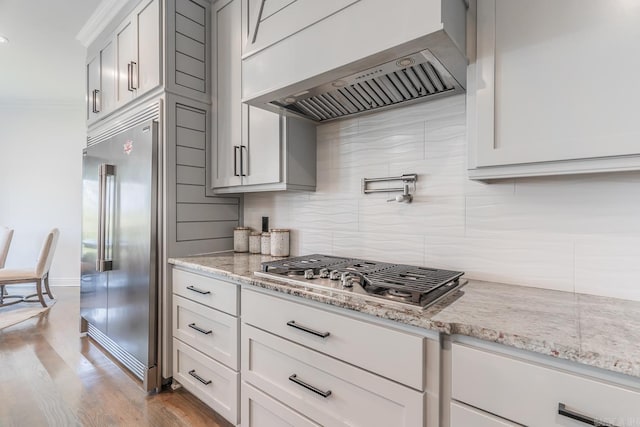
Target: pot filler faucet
<point>407,180</point>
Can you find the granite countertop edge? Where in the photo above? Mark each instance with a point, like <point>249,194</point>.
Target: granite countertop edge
<point>426,319</point>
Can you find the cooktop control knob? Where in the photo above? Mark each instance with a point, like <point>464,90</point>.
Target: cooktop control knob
<point>334,275</point>
<point>346,280</point>
<point>324,273</point>
<point>308,274</point>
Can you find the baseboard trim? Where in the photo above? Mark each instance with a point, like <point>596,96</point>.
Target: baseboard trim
<point>64,281</point>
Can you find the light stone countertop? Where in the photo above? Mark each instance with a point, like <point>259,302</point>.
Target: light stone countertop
<point>596,331</point>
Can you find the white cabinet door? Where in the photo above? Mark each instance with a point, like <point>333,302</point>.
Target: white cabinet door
<point>226,95</point>
<point>108,78</point>
<point>555,82</point>
<point>261,149</point>
<point>126,59</point>
<point>148,46</point>
<point>93,88</point>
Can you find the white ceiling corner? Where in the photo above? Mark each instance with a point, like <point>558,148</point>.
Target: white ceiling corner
<point>98,21</point>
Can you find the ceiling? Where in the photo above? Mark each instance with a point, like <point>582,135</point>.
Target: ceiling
<point>43,62</point>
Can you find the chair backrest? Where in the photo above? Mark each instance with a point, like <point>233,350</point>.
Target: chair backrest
<point>6,234</point>
<point>46,253</point>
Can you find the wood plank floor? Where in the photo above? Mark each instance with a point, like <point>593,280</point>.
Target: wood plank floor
<point>50,376</point>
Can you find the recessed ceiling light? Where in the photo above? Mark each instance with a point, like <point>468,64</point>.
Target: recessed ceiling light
<point>3,39</point>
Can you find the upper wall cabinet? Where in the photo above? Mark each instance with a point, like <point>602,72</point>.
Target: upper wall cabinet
<point>253,149</point>
<point>148,49</point>
<point>553,88</point>
<point>101,82</point>
<point>137,43</point>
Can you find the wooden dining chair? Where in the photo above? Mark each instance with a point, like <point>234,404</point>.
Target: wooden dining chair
<point>37,275</point>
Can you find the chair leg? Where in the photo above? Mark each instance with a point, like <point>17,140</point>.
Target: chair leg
<point>39,290</point>
<point>46,286</point>
<point>1,294</point>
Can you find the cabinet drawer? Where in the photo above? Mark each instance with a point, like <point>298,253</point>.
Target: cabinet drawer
<point>215,384</point>
<point>465,416</point>
<point>207,330</point>
<point>260,410</point>
<point>529,394</point>
<point>360,343</point>
<point>326,390</point>
<point>212,292</point>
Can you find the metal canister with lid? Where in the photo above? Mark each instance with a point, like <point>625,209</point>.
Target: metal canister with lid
<point>279,242</point>
<point>241,239</point>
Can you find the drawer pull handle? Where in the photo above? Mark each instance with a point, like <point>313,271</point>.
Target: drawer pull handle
<point>198,377</point>
<point>200,291</point>
<point>565,412</point>
<point>298,381</point>
<point>199,329</point>
<point>293,324</point>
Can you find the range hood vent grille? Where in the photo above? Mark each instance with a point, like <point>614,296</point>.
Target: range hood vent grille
<point>410,78</point>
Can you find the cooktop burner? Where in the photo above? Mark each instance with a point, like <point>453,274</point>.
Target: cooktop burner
<point>408,284</point>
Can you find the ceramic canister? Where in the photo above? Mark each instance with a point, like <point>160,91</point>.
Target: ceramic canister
<point>255,243</point>
<point>279,242</point>
<point>241,239</point>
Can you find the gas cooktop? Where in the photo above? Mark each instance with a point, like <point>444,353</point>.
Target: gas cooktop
<point>400,283</point>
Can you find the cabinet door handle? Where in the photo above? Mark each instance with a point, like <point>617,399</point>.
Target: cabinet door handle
<point>235,160</point>
<point>129,76</point>
<point>590,421</point>
<point>134,75</point>
<point>96,108</point>
<point>301,383</point>
<point>199,329</point>
<point>194,289</point>
<point>198,377</point>
<point>242,171</point>
<point>295,325</point>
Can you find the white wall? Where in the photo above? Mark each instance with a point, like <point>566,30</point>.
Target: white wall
<point>577,234</point>
<point>40,183</point>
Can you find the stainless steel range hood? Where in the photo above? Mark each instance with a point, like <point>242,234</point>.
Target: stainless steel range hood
<point>412,78</point>
<point>425,68</point>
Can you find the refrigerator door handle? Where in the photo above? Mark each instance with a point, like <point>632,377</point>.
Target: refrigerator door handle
<point>104,263</point>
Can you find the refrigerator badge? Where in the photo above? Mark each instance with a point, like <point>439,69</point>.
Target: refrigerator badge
<point>128,147</point>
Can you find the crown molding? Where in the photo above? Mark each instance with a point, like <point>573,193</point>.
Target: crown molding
<point>98,21</point>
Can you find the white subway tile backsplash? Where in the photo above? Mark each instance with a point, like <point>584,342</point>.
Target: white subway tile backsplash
<point>577,233</point>
<point>525,261</point>
<point>380,246</point>
<point>608,267</point>
<point>315,242</point>
<point>570,214</point>
<point>322,214</point>
<point>393,142</point>
<point>425,215</point>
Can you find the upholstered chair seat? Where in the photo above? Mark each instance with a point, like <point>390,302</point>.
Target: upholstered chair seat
<point>38,274</point>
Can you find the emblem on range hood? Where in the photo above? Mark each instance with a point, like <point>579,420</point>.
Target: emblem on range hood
<point>407,79</point>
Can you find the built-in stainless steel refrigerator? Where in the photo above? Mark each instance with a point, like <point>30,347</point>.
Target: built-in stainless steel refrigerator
<point>119,286</point>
